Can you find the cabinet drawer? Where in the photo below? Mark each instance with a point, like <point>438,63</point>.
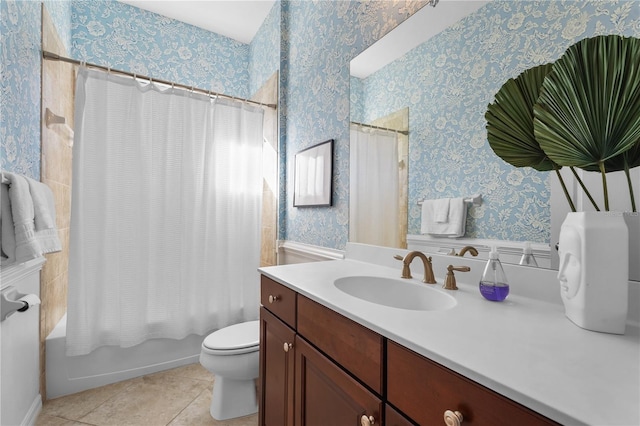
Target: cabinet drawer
<point>278,299</point>
<point>424,390</point>
<point>356,348</point>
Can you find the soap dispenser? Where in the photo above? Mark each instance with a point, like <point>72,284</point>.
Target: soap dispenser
<point>493,284</point>
<point>527,258</point>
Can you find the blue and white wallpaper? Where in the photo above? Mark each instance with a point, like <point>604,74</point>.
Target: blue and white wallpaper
<point>320,39</point>
<point>264,50</point>
<point>447,83</point>
<point>121,36</point>
<point>20,34</point>
<point>312,43</point>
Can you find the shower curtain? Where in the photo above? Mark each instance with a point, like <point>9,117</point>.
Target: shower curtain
<point>165,222</point>
<point>374,205</point>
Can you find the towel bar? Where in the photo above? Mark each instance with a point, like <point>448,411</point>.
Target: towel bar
<point>476,200</point>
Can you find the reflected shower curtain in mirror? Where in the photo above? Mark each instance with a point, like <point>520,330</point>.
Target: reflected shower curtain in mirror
<point>374,206</point>
<point>165,221</point>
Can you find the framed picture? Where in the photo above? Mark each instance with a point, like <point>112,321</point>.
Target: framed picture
<point>314,176</point>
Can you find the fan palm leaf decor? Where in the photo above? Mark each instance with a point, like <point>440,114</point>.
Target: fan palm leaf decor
<point>588,111</point>
<point>510,123</point>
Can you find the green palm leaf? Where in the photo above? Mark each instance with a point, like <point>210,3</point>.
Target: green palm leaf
<point>588,113</point>
<point>510,121</point>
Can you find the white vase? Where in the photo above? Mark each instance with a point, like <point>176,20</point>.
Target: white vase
<point>594,270</point>
<point>633,223</point>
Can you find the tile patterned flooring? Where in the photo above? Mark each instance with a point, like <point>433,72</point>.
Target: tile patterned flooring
<point>177,397</point>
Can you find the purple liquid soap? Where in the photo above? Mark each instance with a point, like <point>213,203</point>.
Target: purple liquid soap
<point>495,293</point>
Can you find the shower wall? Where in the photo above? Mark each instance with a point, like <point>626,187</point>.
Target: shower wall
<point>57,96</point>
<point>268,94</point>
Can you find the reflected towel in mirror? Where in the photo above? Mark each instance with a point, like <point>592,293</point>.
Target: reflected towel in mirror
<point>456,218</point>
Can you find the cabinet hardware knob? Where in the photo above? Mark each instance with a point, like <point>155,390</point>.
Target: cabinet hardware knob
<point>452,418</point>
<point>367,421</point>
<point>273,298</point>
<point>287,346</point>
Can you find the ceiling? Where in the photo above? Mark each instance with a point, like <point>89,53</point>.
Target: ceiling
<point>236,19</point>
<point>241,19</point>
<point>420,27</point>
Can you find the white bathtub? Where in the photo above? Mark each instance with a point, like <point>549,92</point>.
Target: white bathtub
<point>110,364</point>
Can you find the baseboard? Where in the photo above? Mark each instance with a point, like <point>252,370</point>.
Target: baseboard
<point>33,413</point>
<point>290,252</point>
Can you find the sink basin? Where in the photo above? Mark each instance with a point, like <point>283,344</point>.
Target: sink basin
<point>396,293</point>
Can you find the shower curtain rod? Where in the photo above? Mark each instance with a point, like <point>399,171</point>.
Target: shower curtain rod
<point>55,57</point>
<point>371,126</point>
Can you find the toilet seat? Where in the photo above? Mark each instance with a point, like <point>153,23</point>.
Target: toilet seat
<point>235,339</point>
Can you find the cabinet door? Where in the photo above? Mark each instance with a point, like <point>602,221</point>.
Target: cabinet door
<point>276,381</point>
<point>326,395</point>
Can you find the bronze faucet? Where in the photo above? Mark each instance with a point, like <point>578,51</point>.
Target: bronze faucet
<point>450,279</point>
<point>426,261</point>
<point>469,249</point>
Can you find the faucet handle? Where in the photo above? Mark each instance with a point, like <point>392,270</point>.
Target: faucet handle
<point>398,257</point>
<point>450,279</point>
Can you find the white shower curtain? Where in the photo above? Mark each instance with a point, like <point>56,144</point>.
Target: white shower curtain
<point>165,221</point>
<point>374,205</point>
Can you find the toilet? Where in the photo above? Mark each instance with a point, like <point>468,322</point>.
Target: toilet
<point>232,355</point>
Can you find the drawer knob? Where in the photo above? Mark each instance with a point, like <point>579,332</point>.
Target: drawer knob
<point>273,298</point>
<point>452,418</point>
<point>367,421</point>
<point>287,346</point>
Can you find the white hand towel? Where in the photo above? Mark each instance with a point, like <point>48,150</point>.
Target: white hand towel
<point>440,210</point>
<point>31,243</point>
<point>7,230</point>
<point>457,218</point>
<point>45,216</point>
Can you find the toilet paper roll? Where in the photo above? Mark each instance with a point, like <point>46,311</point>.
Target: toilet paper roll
<point>30,299</point>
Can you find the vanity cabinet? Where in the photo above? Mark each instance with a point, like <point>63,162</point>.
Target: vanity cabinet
<point>322,343</point>
<point>319,368</point>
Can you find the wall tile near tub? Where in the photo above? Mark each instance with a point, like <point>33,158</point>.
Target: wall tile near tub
<point>56,155</point>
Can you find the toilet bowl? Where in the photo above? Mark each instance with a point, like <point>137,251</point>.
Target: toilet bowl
<point>232,355</point>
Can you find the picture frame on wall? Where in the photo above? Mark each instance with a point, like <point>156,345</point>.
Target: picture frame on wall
<point>313,176</point>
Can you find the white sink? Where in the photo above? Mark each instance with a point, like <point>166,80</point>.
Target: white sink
<point>396,293</point>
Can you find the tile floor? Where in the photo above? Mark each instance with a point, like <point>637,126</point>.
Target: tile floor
<point>177,397</point>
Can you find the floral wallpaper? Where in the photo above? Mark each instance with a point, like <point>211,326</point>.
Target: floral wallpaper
<point>311,43</point>
<point>60,12</point>
<point>264,50</point>
<point>20,35</point>
<point>319,40</point>
<point>447,83</point>
<point>115,34</point>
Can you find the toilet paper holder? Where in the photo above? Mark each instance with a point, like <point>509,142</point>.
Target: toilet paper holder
<point>10,303</point>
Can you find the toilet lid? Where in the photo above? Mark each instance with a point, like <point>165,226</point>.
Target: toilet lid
<point>237,336</point>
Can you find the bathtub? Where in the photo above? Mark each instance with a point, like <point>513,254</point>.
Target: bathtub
<point>109,364</point>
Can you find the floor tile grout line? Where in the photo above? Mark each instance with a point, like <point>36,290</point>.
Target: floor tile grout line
<point>186,406</point>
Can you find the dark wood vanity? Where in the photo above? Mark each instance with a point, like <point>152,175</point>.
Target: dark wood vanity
<point>319,368</point>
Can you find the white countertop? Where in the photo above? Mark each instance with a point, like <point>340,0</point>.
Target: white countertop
<point>522,348</point>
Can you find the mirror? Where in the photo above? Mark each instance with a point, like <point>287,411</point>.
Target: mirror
<point>444,67</point>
